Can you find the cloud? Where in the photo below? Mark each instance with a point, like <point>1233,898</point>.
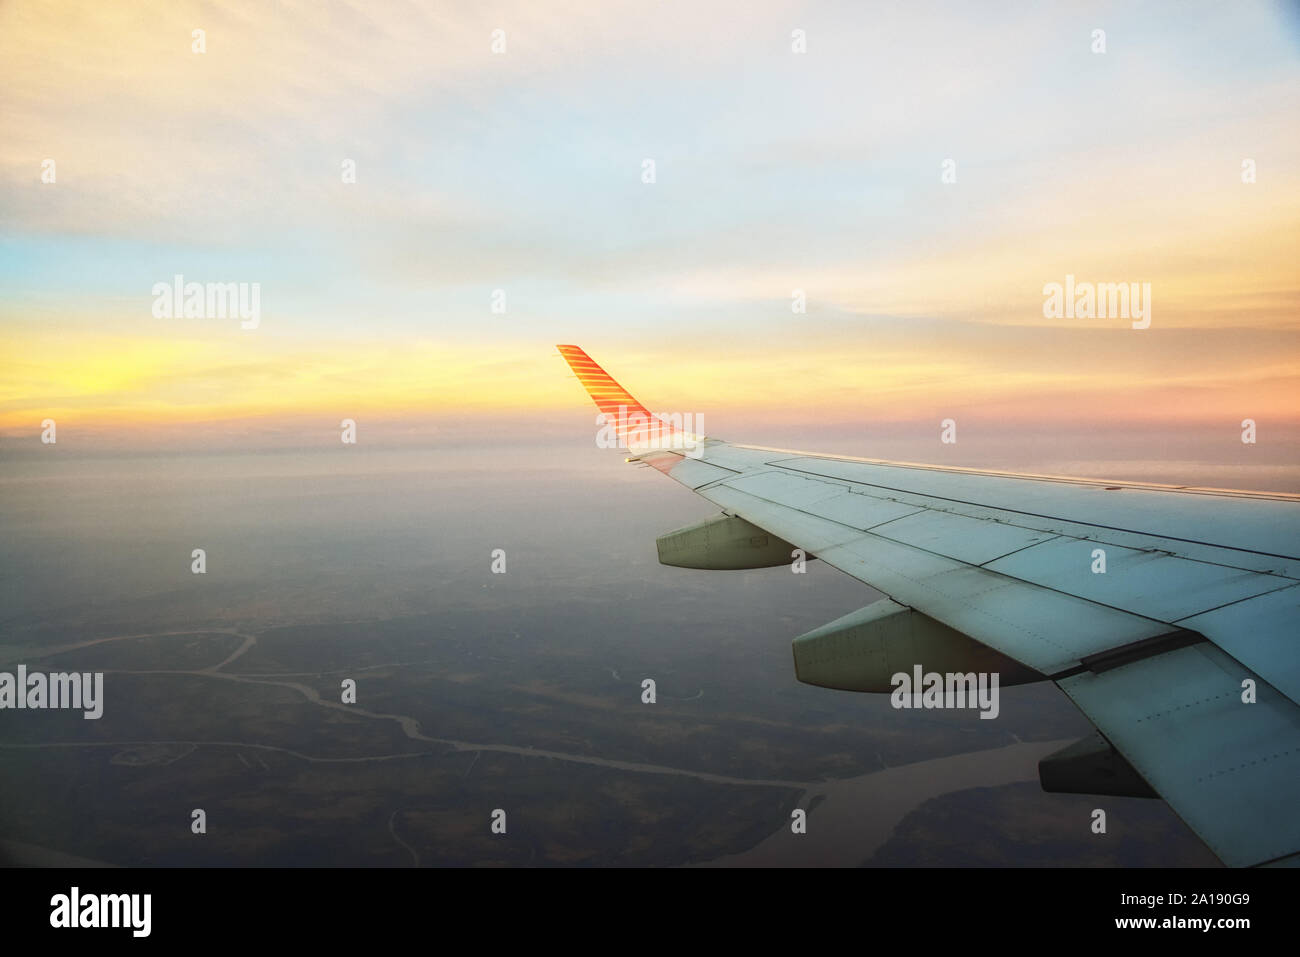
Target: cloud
<point>521,171</point>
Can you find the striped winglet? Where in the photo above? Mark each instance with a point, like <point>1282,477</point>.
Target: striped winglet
<point>635,427</point>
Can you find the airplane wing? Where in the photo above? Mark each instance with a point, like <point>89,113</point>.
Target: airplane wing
<point>1167,614</point>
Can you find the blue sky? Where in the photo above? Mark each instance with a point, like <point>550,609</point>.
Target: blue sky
<point>521,171</point>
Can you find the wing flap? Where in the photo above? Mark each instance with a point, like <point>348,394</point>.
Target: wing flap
<point>1261,633</point>
<point>1224,766</point>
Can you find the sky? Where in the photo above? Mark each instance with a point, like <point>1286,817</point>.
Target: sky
<point>518,173</point>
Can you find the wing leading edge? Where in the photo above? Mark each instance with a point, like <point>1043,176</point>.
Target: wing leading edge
<point>1181,649</point>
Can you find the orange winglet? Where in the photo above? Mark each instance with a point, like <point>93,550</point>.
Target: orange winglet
<point>631,421</point>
